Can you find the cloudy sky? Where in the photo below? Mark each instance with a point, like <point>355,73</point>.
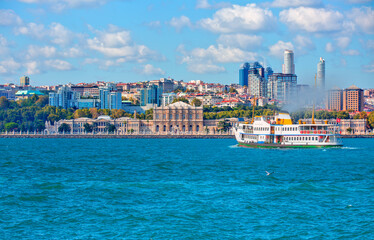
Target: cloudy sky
<point>62,41</point>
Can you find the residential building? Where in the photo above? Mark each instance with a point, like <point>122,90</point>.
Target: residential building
<point>88,103</point>
<point>64,98</point>
<point>282,87</point>
<point>110,98</point>
<point>25,81</point>
<point>335,100</point>
<point>257,83</point>
<point>289,65</point>
<point>353,99</point>
<point>151,96</point>
<point>167,98</point>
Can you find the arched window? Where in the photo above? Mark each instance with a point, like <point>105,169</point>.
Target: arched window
<point>164,128</point>
<point>197,128</point>
<point>157,128</point>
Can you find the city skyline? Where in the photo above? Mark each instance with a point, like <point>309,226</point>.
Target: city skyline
<point>61,41</point>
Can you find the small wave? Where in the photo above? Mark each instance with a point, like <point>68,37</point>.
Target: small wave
<point>234,146</point>
<point>351,148</point>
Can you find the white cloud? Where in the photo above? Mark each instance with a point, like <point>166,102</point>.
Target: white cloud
<point>44,52</point>
<point>329,47</point>
<point>202,68</point>
<point>363,18</point>
<point>204,4</point>
<point>59,5</point>
<point>9,66</point>
<point>278,48</point>
<point>55,33</point>
<point>180,22</point>
<point>360,1</point>
<point>149,69</point>
<point>343,42</point>
<point>296,3</point>
<point>117,43</point>
<point>154,24</point>
<point>201,60</point>
<point>351,52</point>
<point>91,60</point>
<point>240,19</point>
<point>59,34</point>
<point>369,44</point>
<point>220,54</point>
<point>32,29</point>
<point>313,19</point>
<point>239,40</point>
<point>303,44</point>
<point>4,46</point>
<point>9,18</point>
<point>32,68</point>
<point>58,64</point>
<point>73,52</point>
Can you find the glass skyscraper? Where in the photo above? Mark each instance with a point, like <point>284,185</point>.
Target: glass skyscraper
<point>289,65</point>
<point>243,74</point>
<point>321,74</point>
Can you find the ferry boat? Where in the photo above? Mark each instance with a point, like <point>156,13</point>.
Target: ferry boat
<point>279,131</point>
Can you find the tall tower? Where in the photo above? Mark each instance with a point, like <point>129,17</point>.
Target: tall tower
<point>321,74</point>
<point>243,74</point>
<point>24,81</point>
<point>289,65</point>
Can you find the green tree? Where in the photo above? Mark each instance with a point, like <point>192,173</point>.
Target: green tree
<point>371,120</point>
<point>232,90</point>
<point>88,128</point>
<point>180,99</point>
<point>224,125</point>
<point>11,126</point>
<point>64,128</point>
<point>4,103</point>
<point>149,114</point>
<point>196,102</point>
<point>110,128</point>
<point>349,130</point>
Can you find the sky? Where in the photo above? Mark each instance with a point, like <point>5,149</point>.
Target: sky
<point>73,41</point>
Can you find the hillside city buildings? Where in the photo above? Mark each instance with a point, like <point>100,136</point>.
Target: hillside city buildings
<point>258,85</point>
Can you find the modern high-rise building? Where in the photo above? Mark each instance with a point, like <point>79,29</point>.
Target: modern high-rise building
<point>243,74</point>
<point>257,83</point>
<point>64,98</point>
<point>25,81</point>
<point>288,65</point>
<point>151,95</point>
<point>321,74</point>
<point>353,99</point>
<point>110,98</point>
<point>282,87</point>
<point>335,99</point>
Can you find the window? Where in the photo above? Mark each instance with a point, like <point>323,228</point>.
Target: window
<point>170,116</point>
<point>190,117</point>
<point>197,116</point>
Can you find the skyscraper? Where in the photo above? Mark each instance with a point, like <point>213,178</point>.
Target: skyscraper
<point>257,83</point>
<point>321,74</point>
<point>289,65</point>
<point>243,74</point>
<point>151,95</point>
<point>282,86</point>
<point>25,81</point>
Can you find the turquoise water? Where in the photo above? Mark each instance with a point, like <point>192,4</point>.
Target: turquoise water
<point>183,189</point>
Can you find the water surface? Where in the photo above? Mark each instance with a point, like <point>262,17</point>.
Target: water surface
<point>183,189</point>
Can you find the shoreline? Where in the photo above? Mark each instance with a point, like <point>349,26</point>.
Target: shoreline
<point>142,136</point>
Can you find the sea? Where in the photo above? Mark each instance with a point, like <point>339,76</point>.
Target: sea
<point>184,189</point>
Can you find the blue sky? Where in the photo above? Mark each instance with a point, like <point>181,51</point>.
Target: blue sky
<point>62,41</point>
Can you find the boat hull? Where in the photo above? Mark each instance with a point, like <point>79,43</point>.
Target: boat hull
<point>269,145</point>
